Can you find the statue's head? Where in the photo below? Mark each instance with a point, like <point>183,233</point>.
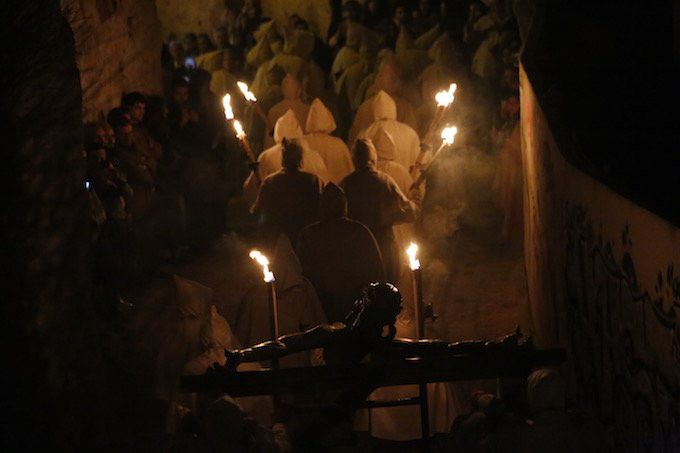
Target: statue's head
<point>377,308</point>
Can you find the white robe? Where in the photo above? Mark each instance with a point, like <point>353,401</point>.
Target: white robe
<point>270,160</point>
<point>405,138</point>
<point>333,151</point>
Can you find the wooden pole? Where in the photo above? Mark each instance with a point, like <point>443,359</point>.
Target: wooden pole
<point>420,334</point>
<point>274,318</point>
<point>421,177</point>
<point>245,145</point>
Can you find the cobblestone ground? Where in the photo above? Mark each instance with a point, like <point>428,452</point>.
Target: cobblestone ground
<point>476,282</point>
<point>477,287</point>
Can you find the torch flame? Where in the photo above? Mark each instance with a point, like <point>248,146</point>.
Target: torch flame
<point>226,102</point>
<point>449,134</point>
<point>248,94</point>
<point>445,98</point>
<point>412,252</point>
<point>264,262</point>
<point>240,133</point>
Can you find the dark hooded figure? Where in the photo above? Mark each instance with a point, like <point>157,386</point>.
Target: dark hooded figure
<point>288,199</point>
<point>374,199</point>
<point>338,255</point>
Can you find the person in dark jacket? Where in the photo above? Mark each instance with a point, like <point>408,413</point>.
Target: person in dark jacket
<point>338,255</point>
<point>288,200</point>
<point>375,200</point>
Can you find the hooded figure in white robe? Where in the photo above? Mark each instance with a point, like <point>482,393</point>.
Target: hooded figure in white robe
<point>387,78</point>
<point>387,153</point>
<point>404,233</point>
<point>269,161</point>
<point>291,90</point>
<point>333,151</point>
<point>406,139</point>
<point>299,307</point>
<point>349,53</point>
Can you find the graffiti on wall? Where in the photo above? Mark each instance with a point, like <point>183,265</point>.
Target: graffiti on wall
<point>624,339</point>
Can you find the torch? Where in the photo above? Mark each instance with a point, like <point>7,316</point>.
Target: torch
<point>448,137</point>
<point>444,100</point>
<point>268,277</point>
<point>414,264</point>
<point>250,97</point>
<point>241,135</point>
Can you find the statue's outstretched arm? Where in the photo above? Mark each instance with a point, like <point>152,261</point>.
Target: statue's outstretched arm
<point>316,337</point>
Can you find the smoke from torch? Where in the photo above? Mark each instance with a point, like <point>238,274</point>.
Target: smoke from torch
<point>268,276</point>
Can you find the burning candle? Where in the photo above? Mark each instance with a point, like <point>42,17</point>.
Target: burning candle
<point>414,264</point>
<point>240,133</point>
<point>268,277</point>
<point>444,98</point>
<point>449,135</point>
<point>250,97</point>
<point>226,103</point>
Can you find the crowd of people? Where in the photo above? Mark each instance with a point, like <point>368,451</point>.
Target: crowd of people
<point>340,140</point>
<point>164,170</point>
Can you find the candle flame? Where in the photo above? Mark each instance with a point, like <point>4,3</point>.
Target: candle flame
<point>449,134</point>
<point>445,98</point>
<point>248,94</point>
<point>240,133</point>
<point>412,253</point>
<point>262,260</point>
<point>226,102</point>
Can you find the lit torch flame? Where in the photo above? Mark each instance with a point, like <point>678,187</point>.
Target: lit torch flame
<point>248,94</point>
<point>264,262</point>
<point>445,98</point>
<point>226,102</point>
<point>412,252</point>
<point>449,134</point>
<point>240,133</point>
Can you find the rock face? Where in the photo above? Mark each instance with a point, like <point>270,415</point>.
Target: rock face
<point>118,49</point>
<point>197,16</point>
<point>45,218</point>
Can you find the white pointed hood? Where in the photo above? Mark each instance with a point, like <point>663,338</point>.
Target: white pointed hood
<point>383,107</point>
<point>287,127</point>
<point>319,119</point>
<point>384,144</point>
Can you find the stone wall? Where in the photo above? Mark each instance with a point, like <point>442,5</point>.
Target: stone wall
<point>602,283</point>
<point>118,46</point>
<point>180,16</point>
<point>318,13</point>
<point>202,16</point>
<point>45,220</point>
